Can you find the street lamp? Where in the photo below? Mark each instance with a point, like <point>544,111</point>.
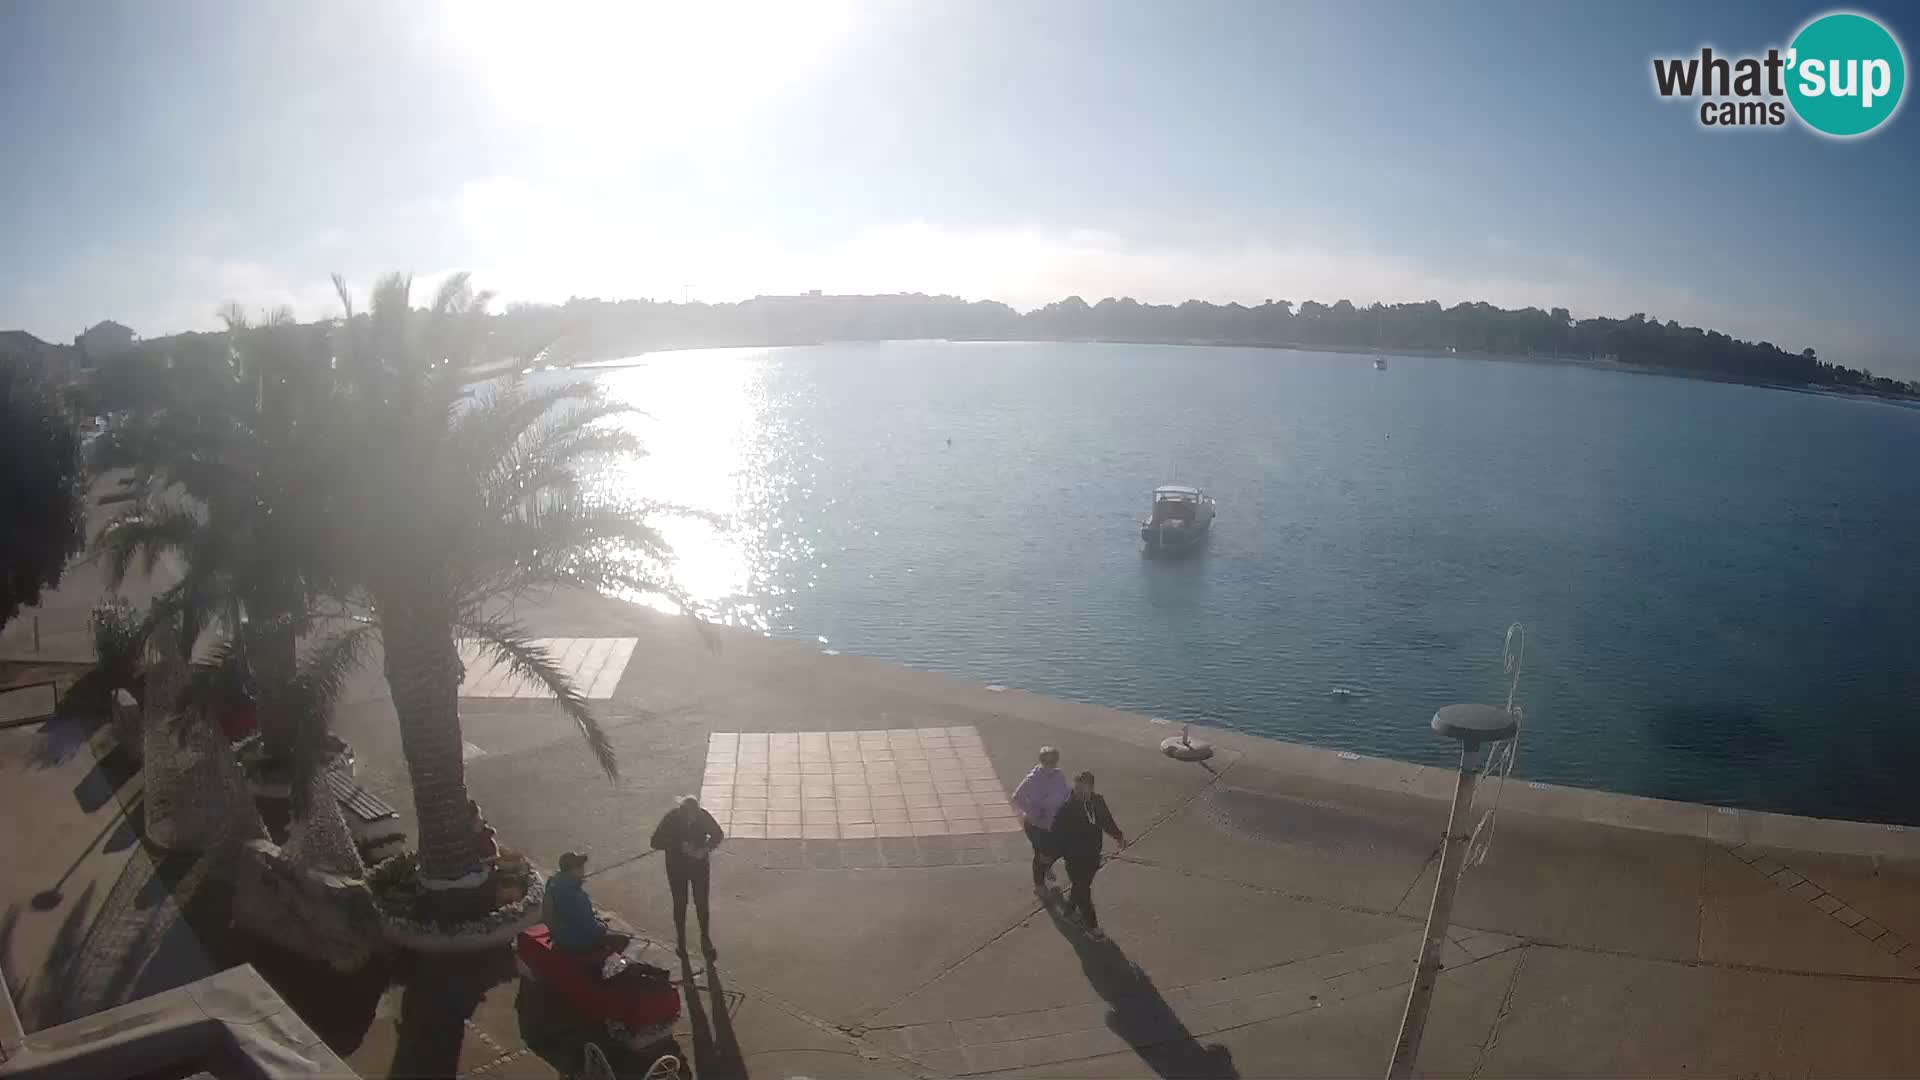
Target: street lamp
<point>1475,726</point>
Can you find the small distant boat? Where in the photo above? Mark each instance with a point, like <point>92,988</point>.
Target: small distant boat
<point>1182,517</point>
<point>1379,363</point>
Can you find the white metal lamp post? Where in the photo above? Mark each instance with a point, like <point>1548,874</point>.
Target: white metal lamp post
<point>1476,726</point>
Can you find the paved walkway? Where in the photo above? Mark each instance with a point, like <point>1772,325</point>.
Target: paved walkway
<point>1264,921</point>
<point>88,918</point>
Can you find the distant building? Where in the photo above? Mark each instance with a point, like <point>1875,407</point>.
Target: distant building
<point>105,339</point>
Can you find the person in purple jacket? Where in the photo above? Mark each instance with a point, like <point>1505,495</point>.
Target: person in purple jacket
<point>1038,798</point>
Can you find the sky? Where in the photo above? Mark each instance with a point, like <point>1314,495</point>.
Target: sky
<point>162,160</point>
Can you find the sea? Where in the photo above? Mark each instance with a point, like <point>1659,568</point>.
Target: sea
<point>1717,584</point>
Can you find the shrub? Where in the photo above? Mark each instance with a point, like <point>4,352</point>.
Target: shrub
<point>40,489</point>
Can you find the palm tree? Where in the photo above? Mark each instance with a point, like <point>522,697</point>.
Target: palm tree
<point>221,476</point>
<point>456,492</point>
<point>318,834</point>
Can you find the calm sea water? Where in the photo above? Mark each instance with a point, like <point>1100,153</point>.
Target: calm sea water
<point>1718,582</point>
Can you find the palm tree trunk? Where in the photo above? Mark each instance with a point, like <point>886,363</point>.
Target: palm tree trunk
<point>422,669</point>
<point>164,760</point>
<point>274,658</point>
<point>318,836</point>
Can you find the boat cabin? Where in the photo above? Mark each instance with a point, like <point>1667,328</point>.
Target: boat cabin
<point>1176,503</point>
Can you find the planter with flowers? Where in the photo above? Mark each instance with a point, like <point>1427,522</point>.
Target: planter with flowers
<point>409,921</point>
<point>270,776</point>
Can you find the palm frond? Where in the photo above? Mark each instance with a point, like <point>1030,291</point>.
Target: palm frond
<point>559,538</point>
<point>510,643</point>
<point>345,294</point>
<point>145,535</point>
<point>325,666</point>
<point>518,478</point>
<point>390,295</point>
<point>555,436</point>
<point>455,293</point>
<point>205,599</point>
<point>499,417</point>
<point>165,606</point>
<point>389,328</point>
<point>322,676</point>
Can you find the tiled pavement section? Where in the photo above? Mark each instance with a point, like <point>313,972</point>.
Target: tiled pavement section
<point>854,785</point>
<point>594,663</point>
<point>1150,1017</point>
<point>1797,885</point>
<point>873,853</point>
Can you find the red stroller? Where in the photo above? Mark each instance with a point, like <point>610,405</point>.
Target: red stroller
<point>637,1012</point>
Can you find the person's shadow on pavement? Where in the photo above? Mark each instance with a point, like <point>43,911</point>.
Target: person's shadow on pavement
<point>1138,1014</point>
<point>716,1050</point>
<point>441,994</point>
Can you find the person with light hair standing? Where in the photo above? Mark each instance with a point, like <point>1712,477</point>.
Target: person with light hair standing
<point>1038,798</point>
<point>686,836</point>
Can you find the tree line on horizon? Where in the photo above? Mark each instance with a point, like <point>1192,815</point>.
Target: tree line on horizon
<point>604,329</point>
<point>586,329</point>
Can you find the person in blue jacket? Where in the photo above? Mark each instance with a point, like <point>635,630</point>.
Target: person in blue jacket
<point>572,924</point>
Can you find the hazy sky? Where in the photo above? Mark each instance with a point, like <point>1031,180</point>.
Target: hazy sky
<point>162,158</point>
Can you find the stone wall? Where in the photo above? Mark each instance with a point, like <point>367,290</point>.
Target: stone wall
<point>320,916</point>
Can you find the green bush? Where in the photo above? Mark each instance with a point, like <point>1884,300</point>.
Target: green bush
<point>40,489</point>
<point>119,637</point>
<point>119,640</point>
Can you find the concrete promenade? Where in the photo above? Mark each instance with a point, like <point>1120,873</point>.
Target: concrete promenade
<point>1264,921</point>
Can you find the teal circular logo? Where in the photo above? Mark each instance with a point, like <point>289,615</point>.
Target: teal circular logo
<point>1845,74</point>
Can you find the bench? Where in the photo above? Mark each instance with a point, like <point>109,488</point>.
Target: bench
<point>28,702</point>
<point>374,824</point>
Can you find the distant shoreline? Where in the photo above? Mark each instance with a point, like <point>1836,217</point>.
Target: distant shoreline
<point>1509,358</point>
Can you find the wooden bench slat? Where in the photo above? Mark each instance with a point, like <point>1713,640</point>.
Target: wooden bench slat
<point>364,804</point>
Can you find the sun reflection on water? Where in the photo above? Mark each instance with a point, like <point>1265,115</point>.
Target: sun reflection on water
<point>719,443</point>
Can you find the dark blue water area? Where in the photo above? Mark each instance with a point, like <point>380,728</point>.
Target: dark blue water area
<point>1718,582</point>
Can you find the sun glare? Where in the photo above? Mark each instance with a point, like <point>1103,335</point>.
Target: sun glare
<point>646,70</point>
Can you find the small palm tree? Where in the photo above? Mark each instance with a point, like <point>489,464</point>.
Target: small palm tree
<point>457,492</point>
<point>318,834</point>
<point>220,476</point>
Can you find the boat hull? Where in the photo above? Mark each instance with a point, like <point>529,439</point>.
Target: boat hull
<point>1172,539</point>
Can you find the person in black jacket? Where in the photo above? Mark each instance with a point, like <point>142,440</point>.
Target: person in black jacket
<point>686,836</point>
<point>1079,831</point>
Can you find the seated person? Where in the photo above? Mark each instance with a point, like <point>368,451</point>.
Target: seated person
<point>572,924</point>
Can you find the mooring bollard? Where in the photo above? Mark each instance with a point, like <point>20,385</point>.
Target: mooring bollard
<point>1182,747</point>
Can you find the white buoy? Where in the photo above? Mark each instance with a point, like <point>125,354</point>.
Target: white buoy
<point>1183,747</point>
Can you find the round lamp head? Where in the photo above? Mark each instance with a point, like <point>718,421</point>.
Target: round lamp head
<point>1476,724</point>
